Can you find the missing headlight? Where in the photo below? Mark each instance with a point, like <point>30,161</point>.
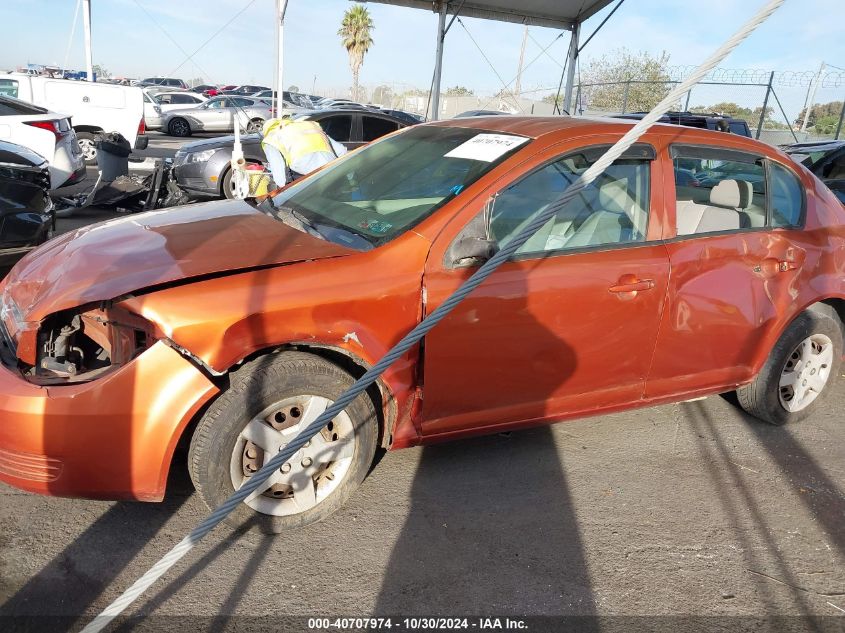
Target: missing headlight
<point>78,346</point>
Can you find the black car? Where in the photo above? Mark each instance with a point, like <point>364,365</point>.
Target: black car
<point>472,113</point>
<point>826,159</point>
<point>203,171</point>
<point>718,122</point>
<point>245,90</point>
<point>409,118</point>
<point>26,212</point>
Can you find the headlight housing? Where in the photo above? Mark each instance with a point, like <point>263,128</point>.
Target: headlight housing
<point>186,158</point>
<point>79,345</point>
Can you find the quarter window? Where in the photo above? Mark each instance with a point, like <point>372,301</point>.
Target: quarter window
<point>613,210</point>
<point>9,88</point>
<point>787,198</point>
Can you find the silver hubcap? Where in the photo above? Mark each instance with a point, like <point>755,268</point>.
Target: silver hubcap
<point>89,152</point>
<point>806,372</point>
<point>311,474</point>
<point>180,127</point>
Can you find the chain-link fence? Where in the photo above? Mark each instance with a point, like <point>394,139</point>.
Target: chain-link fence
<point>774,104</point>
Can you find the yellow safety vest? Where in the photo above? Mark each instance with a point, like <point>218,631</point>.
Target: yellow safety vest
<point>296,139</point>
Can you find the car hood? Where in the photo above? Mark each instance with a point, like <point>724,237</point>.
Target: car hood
<point>107,260</point>
<point>219,142</point>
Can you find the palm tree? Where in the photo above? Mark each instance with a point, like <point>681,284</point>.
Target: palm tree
<point>355,36</point>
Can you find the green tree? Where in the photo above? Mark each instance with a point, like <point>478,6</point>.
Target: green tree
<point>383,95</point>
<point>354,31</point>
<point>101,72</point>
<point>637,81</point>
<point>819,111</point>
<point>458,91</point>
<point>293,88</point>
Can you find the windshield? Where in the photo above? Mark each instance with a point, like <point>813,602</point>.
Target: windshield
<point>389,186</point>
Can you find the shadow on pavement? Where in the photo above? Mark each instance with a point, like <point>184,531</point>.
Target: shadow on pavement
<point>491,521</point>
<point>66,587</point>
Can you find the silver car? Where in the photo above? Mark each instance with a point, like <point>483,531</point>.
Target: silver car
<point>218,114</point>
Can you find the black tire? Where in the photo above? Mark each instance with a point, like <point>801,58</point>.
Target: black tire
<point>761,397</point>
<point>254,126</point>
<point>226,185</point>
<point>258,385</point>
<point>86,144</point>
<point>179,127</point>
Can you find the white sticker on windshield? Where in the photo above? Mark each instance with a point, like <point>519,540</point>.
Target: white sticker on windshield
<point>486,147</point>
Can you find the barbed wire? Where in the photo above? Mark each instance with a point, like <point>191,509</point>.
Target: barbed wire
<point>782,78</point>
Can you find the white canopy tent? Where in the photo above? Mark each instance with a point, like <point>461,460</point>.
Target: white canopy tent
<point>558,14</point>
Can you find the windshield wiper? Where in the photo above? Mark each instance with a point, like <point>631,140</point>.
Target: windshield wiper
<point>304,223</point>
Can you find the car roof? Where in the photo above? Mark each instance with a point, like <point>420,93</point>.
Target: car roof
<point>536,127</point>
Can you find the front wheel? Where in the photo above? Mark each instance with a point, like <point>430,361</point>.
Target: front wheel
<point>270,401</point>
<point>179,127</point>
<point>799,370</point>
<point>254,126</point>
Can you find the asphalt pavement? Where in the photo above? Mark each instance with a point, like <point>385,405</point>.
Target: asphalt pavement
<point>693,509</point>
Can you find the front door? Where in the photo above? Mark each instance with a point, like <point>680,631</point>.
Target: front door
<point>570,324</point>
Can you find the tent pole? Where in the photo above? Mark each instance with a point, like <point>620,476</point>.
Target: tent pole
<point>571,58</point>
<point>438,62</point>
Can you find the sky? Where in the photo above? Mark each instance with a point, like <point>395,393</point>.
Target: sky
<point>135,38</point>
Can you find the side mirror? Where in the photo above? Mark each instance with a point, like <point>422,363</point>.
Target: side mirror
<point>474,245</point>
<point>473,250</point>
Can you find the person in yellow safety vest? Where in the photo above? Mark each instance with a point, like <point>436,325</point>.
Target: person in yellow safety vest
<point>295,148</point>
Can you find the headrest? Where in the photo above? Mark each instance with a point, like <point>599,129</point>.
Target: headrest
<point>614,194</point>
<point>735,194</point>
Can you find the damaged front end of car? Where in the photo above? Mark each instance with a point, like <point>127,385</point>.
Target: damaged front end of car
<point>73,346</point>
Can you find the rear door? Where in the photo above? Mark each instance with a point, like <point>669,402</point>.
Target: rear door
<point>569,324</point>
<point>735,257</point>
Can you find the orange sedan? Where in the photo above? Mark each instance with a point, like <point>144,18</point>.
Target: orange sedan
<point>699,263</point>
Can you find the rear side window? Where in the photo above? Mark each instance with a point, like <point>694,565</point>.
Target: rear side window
<point>787,197</point>
<point>714,195</point>
<point>184,99</point>
<point>376,128</point>
<point>14,107</point>
<point>338,128</point>
<point>9,88</point>
<point>240,102</point>
<point>723,190</point>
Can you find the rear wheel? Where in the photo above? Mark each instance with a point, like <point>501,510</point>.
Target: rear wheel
<point>89,150</point>
<point>179,127</point>
<point>798,371</point>
<point>254,126</point>
<point>269,402</point>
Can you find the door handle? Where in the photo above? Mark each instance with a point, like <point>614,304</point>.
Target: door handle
<point>786,264</point>
<point>634,286</point>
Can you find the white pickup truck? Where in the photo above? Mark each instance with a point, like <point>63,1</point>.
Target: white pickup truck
<point>93,107</point>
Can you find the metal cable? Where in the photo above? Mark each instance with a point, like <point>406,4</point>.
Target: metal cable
<point>425,326</point>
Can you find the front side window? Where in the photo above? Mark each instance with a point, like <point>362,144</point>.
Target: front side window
<point>612,210</point>
<point>9,88</point>
<point>713,194</point>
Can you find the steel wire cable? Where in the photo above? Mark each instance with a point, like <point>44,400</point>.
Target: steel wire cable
<point>417,333</point>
